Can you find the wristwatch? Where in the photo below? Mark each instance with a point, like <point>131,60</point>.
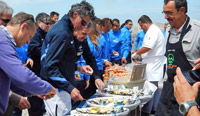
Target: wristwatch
<point>185,106</point>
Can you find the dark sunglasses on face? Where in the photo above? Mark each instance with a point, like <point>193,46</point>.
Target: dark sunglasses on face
<point>83,22</point>
<point>47,23</point>
<point>5,20</point>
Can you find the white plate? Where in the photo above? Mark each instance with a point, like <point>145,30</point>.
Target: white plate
<point>75,113</point>
<point>143,99</point>
<point>130,107</point>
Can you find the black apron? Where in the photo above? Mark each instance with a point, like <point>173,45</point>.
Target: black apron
<point>167,105</point>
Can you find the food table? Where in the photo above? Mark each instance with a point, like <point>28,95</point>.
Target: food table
<point>121,87</point>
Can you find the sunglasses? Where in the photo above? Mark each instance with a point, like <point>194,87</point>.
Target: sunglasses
<point>47,23</point>
<point>5,20</point>
<point>84,23</point>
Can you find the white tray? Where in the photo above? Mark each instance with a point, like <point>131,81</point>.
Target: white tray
<point>130,107</point>
<point>143,99</point>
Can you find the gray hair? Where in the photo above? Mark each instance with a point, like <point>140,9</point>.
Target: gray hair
<point>44,17</point>
<point>5,8</point>
<point>84,9</point>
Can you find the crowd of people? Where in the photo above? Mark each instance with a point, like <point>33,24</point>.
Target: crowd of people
<point>58,63</point>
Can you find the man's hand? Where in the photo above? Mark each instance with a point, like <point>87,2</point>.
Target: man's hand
<point>197,63</point>
<point>87,84</point>
<point>29,61</point>
<point>23,104</point>
<point>99,84</point>
<point>183,91</point>
<point>85,69</point>
<point>107,63</point>
<point>134,56</point>
<point>123,60</point>
<point>48,95</point>
<point>75,95</point>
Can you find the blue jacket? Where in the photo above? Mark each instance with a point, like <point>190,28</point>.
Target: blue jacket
<point>22,53</point>
<point>127,43</point>
<point>139,40</point>
<point>98,52</point>
<point>60,53</point>
<point>107,48</point>
<point>163,31</point>
<point>13,72</point>
<point>116,42</point>
<point>127,39</point>
<point>81,62</point>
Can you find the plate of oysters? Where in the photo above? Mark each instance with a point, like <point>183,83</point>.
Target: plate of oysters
<point>120,90</point>
<point>124,101</point>
<point>100,111</point>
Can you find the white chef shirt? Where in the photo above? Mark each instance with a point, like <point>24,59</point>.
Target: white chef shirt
<point>154,58</point>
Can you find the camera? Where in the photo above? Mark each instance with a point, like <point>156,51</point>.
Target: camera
<point>192,76</point>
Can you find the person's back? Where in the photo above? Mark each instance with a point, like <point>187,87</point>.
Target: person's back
<point>97,50</point>
<point>139,40</point>
<point>125,31</point>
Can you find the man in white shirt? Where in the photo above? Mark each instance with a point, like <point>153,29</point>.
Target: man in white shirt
<point>152,52</point>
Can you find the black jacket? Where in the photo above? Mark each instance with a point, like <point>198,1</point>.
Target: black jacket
<point>34,50</point>
<point>59,55</point>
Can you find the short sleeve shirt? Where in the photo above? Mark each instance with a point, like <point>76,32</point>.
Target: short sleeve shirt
<point>190,42</point>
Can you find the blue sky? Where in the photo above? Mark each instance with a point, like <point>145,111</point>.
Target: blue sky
<point>121,9</point>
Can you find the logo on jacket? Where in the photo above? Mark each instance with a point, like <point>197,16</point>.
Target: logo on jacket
<point>170,58</point>
<point>80,51</point>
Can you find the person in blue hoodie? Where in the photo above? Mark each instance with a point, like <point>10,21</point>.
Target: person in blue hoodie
<point>139,40</point>
<point>106,25</point>
<point>116,43</point>
<point>127,38</point>
<point>22,54</point>
<point>96,43</point>
<point>80,75</point>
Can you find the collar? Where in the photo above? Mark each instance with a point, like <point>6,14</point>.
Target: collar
<point>172,29</point>
<point>126,27</point>
<point>8,34</point>
<point>67,21</point>
<point>41,32</point>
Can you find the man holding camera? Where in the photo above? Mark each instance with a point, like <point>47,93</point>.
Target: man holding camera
<point>182,50</point>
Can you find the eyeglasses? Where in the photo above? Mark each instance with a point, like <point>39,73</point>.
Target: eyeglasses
<point>169,12</point>
<point>83,22</point>
<point>5,20</point>
<point>47,23</point>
